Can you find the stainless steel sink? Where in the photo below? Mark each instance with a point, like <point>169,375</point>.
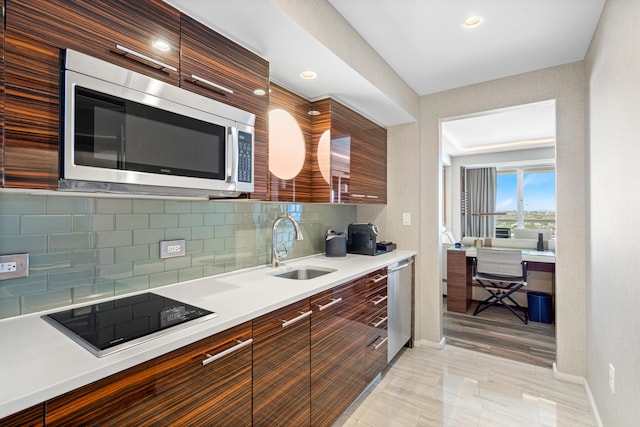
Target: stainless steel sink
<point>305,273</point>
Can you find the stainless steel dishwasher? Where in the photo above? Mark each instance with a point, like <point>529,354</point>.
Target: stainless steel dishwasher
<point>399,306</point>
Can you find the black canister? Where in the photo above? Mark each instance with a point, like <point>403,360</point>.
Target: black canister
<point>336,245</point>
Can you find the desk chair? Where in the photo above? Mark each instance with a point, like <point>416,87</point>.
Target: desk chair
<point>501,273</point>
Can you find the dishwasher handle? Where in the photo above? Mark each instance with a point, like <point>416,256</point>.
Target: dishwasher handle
<point>399,267</point>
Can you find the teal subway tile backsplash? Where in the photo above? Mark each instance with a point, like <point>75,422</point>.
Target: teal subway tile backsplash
<point>86,248</point>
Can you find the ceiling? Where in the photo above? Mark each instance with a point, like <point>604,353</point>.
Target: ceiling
<point>423,41</point>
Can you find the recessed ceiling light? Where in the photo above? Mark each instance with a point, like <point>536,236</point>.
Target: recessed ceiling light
<point>472,21</point>
<point>259,92</point>
<point>162,45</point>
<point>308,75</point>
<point>313,113</point>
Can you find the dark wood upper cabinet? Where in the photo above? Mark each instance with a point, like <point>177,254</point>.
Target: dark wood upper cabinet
<point>174,389</point>
<point>281,367</point>
<point>214,66</point>
<point>288,188</point>
<point>121,32</point>
<point>31,114</point>
<point>351,167</point>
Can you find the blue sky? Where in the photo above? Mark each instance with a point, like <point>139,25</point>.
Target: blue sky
<point>539,192</point>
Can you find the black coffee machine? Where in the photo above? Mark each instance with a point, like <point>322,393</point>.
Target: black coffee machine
<point>361,239</point>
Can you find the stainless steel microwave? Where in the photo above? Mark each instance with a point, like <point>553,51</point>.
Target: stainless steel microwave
<point>127,132</point>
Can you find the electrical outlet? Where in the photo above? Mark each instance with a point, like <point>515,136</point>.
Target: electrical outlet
<point>14,266</point>
<point>612,378</point>
<point>172,248</point>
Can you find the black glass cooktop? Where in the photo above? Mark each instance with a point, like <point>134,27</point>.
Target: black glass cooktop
<point>111,326</point>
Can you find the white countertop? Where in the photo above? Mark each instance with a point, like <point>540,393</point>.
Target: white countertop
<point>38,362</point>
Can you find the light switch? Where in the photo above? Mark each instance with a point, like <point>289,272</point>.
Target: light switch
<point>406,218</point>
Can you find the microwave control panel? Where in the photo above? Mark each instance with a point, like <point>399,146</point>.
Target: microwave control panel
<point>245,155</point>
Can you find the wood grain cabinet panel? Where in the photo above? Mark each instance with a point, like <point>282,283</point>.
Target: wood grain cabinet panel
<point>281,367</point>
<point>376,318</point>
<point>30,417</point>
<point>337,351</point>
<point>174,389</point>
<point>97,27</point>
<point>299,188</point>
<point>32,111</point>
<point>208,57</point>
<point>358,156</point>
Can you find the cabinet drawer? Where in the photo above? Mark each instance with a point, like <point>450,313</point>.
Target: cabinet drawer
<point>100,27</point>
<point>207,382</point>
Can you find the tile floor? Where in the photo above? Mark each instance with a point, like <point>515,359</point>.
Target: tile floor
<point>459,387</point>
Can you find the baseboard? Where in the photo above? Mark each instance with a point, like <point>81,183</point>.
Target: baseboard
<point>594,408</point>
<point>580,380</point>
<point>576,379</point>
<point>430,344</point>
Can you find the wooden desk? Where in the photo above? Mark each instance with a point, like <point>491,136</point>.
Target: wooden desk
<point>460,274</point>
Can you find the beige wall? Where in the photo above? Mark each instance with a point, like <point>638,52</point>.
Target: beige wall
<point>612,69</point>
<point>565,84</point>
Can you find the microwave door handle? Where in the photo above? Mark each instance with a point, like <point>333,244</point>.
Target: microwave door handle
<point>230,155</point>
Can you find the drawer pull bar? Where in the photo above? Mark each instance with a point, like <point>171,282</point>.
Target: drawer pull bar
<point>378,278</point>
<point>126,51</point>
<point>222,354</point>
<point>302,315</point>
<point>380,322</point>
<point>358,196</point>
<point>379,300</point>
<point>371,197</point>
<point>197,79</point>
<point>375,347</point>
<point>334,301</point>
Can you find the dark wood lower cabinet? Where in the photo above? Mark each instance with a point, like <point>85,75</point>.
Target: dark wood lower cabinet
<point>174,389</point>
<point>281,367</point>
<point>30,417</point>
<point>337,351</point>
<point>303,364</point>
<point>376,318</point>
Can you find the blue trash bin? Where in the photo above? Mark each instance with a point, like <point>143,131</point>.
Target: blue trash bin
<point>540,309</point>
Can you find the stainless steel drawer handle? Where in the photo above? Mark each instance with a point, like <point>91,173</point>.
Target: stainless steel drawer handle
<point>378,279</point>
<point>137,55</point>
<point>379,300</point>
<point>359,196</point>
<point>334,301</point>
<point>399,267</point>
<point>197,79</point>
<point>210,358</point>
<point>375,347</point>
<point>371,197</point>
<point>380,322</point>
<point>302,315</point>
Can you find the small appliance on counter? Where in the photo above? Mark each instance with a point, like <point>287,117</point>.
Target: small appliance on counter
<point>335,244</point>
<point>361,239</point>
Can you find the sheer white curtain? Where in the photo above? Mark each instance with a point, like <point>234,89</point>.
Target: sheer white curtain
<point>481,185</point>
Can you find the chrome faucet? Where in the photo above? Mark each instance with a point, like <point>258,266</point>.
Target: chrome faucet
<point>275,253</point>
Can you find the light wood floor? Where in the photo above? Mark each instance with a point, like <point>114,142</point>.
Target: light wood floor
<point>456,387</point>
<point>494,371</point>
<point>497,331</point>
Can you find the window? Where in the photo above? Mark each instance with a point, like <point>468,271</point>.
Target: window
<point>527,196</point>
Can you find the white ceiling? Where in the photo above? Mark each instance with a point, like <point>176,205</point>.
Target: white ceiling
<point>424,42</point>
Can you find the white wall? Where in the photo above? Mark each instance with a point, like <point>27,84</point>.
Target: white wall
<point>612,69</point>
<point>565,84</point>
